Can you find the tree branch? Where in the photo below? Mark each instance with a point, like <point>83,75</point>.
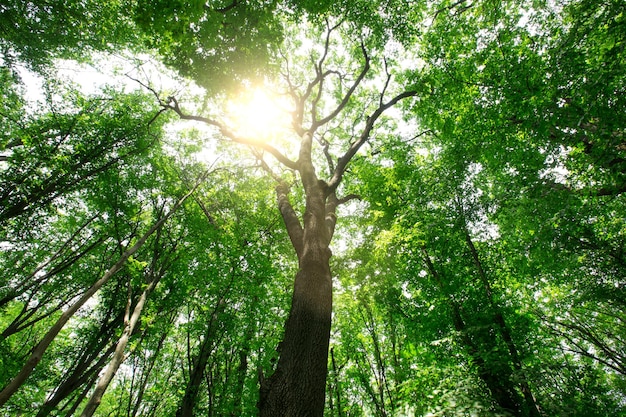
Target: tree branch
<point>292,223</point>
<point>347,96</point>
<point>451,7</point>
<point>342,162</point>
<point>172,104</point>
<point>223,10</point>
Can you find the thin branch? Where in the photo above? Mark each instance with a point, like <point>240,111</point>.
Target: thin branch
<point>224,10</point>
<point>348,95</point>
<point>452,6</point>
<point>387,81</point>
<point>329,159</point>
<point>172,104</point>
<point>259,156</point>
<point>342,162</point>
<point>347,198</point>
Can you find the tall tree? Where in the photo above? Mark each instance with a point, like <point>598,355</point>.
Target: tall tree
<point>297,386</point>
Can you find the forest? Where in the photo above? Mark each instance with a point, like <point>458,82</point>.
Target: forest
<point>324,208</point>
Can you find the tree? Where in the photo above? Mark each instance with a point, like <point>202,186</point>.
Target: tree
<point>297,386</point>
<point>54,330</point>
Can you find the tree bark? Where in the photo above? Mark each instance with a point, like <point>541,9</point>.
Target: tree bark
<point>297,386</point>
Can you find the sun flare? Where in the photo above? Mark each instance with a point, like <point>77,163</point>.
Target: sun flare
<point>257,114</point>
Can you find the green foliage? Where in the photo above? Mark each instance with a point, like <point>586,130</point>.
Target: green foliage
<point>35,32</point>
<point>485,259</point>
<point>218,44</point>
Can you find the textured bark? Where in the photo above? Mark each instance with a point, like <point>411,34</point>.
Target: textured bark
<point>298,385</point>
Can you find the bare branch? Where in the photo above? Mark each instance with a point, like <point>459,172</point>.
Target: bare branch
<point>259,156</point>
<point>342,162</point>
<point>223,10</point>
<point>318,81</point>
<point>348,95</point>
<point>348,198</point>
<point>453,6</point>
<point>172,104</point>
<point>329,159</point>
<point>387,81</point>
<point>320,63</point>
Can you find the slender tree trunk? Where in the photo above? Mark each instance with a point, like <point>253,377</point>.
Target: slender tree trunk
<point>242,370</point>
<point>189,400</point>
<point>499,385</point>
<point>146,371</point>
<point>337,386</point>
<point>81,374</point>
<point>130,322</point>
<point>35,279</point>
<point>79,398</point>
<point>532,408</point>
<point>39,350</point>
<point>381,366</point>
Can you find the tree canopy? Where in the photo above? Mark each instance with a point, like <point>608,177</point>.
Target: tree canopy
<point>433,225</point>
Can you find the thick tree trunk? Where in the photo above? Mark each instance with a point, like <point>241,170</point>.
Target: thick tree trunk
<point>298,385</point>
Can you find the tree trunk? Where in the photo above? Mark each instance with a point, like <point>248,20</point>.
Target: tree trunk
<point>39,350</point>
<point>80,375</point>
<point>189,400</point>
<point>499,385</point>
<point>337,384</point>
<point>130,322</point>
<point>531,407</point>
<point>147,370</point>
<point>298,385</point>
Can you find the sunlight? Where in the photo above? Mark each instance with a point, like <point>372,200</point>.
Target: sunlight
<point>258,114</point>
